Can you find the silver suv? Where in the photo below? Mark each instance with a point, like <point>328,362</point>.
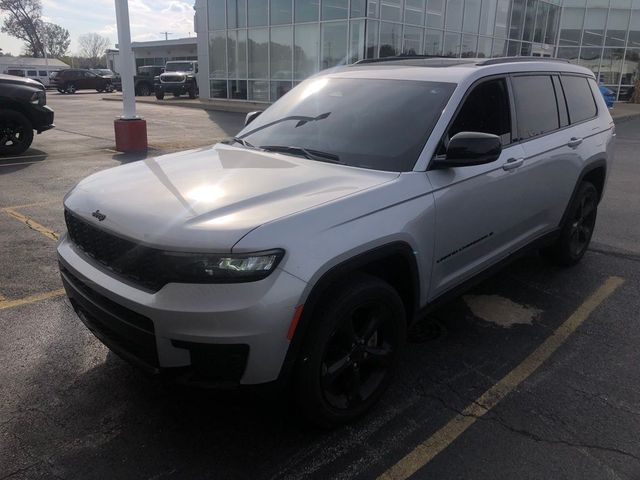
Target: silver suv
<point>302,249</point>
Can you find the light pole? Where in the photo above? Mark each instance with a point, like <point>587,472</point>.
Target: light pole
<point>130,129</point>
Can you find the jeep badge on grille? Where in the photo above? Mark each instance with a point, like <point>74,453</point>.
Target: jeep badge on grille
<point>98,215</point>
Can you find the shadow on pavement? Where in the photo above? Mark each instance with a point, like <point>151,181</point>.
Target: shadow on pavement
<point>17,163</point>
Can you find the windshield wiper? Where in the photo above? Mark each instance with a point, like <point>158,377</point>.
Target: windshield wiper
<point>303,152</point>
<point>241,141</point>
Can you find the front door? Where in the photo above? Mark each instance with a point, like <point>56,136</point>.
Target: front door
<point>483,212</point>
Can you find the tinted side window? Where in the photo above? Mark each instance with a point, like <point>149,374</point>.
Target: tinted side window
<point>32,73</point>
<point>536,107</point>
<point>485,110</point>
<point>580,100</point>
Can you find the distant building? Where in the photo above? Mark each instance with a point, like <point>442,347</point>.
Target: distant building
<point>156,52</point>
<point>257,50</point>
<point>30,63</point>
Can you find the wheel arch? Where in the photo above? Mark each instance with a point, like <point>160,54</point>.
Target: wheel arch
<point>595,172</point>
<point>394,263</point>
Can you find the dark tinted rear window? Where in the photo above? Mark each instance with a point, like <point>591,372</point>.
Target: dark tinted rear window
<point>580,100</point>
<point>536,108</point>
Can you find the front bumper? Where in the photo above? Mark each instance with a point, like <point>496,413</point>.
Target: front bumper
<point>42,118</point>
<point>214,335</point>
<point>179,88</point>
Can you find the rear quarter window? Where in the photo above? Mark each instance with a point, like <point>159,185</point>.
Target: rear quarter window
<point>580,101</point>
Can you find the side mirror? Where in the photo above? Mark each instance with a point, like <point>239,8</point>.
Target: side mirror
<point>470,148</point>
<point>251,116</point>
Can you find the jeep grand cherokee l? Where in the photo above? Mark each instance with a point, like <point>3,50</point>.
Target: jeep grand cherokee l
<point>302,249</point>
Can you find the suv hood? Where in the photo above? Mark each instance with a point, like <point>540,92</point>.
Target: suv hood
<point>14,80</point>
<point>208,199</point>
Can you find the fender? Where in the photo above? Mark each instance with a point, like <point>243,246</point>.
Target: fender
<point>593,165</point>
<point>339,271</point>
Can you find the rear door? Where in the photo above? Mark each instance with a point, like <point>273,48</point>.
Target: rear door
<point>479,209</point>
<point>552,161</point>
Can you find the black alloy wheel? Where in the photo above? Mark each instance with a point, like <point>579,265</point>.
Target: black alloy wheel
<point>577,230</point>
<point>357,356</point>
<point>349,354</point>
<point>16,133</point>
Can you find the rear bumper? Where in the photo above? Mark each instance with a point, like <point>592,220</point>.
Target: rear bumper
<point>208,335</point>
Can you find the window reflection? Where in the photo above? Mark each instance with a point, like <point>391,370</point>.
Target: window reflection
<point>307,10</point>
<point>306,50</point>
<point>390,39</point>
<point>334,44</point>
<point>281,55</point>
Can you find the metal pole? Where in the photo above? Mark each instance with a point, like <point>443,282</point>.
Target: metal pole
<point>126,54</point>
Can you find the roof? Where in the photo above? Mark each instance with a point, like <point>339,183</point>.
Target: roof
<point>24,62</point>
<point>174,42</point>
<point>452,70</point>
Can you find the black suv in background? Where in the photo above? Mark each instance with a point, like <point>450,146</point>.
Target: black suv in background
<point>143,81</point>
<point>74,79</point>
<point>23,109</point>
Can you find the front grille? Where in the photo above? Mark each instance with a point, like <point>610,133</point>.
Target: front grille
<point>172,79</point>
<point>140,265</point>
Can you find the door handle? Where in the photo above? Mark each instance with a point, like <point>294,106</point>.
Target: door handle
<point>513,163</point>
<point>574,142</point>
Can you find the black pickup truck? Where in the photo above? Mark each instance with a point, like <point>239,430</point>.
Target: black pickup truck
<point>23,109</point>
<point>143,81</point>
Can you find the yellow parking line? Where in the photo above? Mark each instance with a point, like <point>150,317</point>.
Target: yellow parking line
<point>444,437</point>
<point>32,224</point>
<point>29,205</point>
<point>32,299</point>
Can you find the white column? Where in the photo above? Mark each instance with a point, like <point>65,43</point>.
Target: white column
<point>126,63</point>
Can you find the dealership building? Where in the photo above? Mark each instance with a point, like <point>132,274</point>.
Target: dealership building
<point>257,50</point>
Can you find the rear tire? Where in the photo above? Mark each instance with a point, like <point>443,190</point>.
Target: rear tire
<point>577,229</point>
<point>16,133</point>
<point>176,95</point>
<point>350,352</point>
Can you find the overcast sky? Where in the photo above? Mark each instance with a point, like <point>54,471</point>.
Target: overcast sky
<point>148,19</point>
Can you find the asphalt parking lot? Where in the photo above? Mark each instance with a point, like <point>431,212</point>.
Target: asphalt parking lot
<point>533,374</point>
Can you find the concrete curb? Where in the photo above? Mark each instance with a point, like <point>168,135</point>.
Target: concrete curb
<point>233,107</point>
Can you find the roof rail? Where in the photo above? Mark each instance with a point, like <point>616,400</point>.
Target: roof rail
<point>398,57</point>
<point>500,60</point>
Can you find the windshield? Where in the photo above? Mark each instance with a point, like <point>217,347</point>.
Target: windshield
<point>179,67</point>
<point>370,123</point>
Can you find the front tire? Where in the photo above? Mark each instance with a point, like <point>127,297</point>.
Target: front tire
<point>193,92</point>
<point>70,88</point>
<point>16,133</point>
<point>350,352</point>
<point>577,229</point>
<point>144,90</point>
<point>160,95</point>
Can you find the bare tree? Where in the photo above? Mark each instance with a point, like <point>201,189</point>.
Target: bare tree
<point>24,21</point>
<point>93,46</point>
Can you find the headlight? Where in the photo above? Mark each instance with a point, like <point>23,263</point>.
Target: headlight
<point>223,268</point>
<point>38,98</point>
